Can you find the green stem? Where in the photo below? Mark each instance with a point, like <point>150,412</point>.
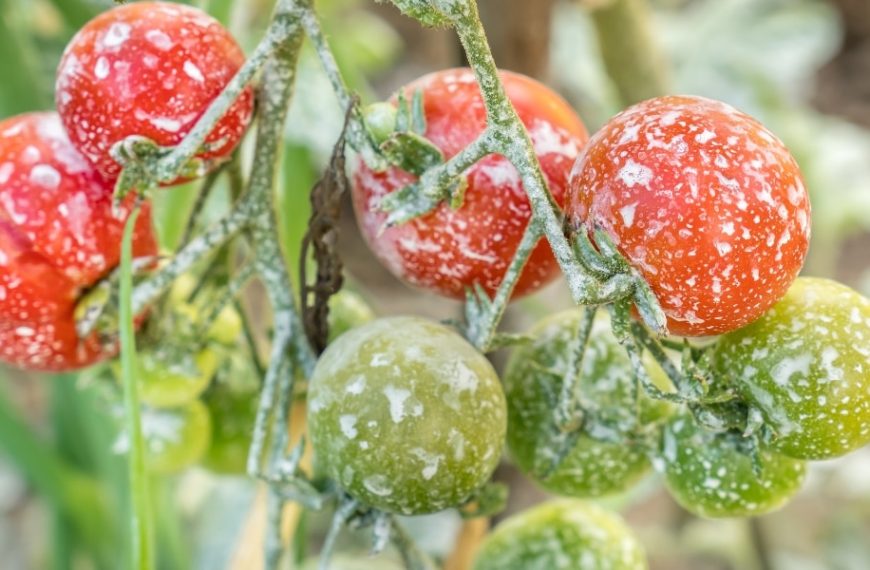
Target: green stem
<point>631,55</point>
<point>142,533</point>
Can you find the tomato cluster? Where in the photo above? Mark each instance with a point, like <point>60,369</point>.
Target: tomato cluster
<point>405,415</point>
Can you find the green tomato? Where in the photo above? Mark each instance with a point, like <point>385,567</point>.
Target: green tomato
<point>164,384</point>
<point>175,438</point>
<point>533,381</point>
<point>346,311</point>
<point>233,415</point>
<point>805,364</point>
<point>406,415</point>
<point>710,475</point>
<point>565,534</point>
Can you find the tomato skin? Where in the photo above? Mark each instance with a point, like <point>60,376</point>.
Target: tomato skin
<point>709,476</point>
<point>562,534</point>
<point>58,236</point>
<point>533,381</point>
<point>448,250</point>
<point>233,416</point>
<point>406,415</point>
<point>703,201</point>
<point>150,69</point>
<point>805,365</point>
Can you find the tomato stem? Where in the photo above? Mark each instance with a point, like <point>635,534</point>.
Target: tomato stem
<point>142,520</point>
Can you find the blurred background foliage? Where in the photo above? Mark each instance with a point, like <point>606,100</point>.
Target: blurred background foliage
<point>795,64</point>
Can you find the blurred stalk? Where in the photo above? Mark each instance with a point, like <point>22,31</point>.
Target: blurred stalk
<point>294,203</point>
<point>21,88</point>
<point>172,538</point>
<point>76,13</point>
<point>632,57</point>
<point>220,9</point>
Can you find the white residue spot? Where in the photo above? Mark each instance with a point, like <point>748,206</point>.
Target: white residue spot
<point>633,173</point>
<point>627,213</point>
<point>728,228</point>
<point>101,70</point>
<point>357,386</point>
<point>397,398</point>
<point>6,170</point>
<point>159,39</point>
<point>348,426</point>
<point>723,247</point>
<point>193,71</point>
<point>705,136</point>
<point>430,460</point>
<point>25,331</point>
<point>788,367</point>
<point>45,176</point>
<point>118,33</point>
<point>378,485</point>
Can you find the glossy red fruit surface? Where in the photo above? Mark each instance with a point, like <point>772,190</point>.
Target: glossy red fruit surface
<point>58,236</point>
<point>149,69</point>
<point>448,250</point>
<point>704,201</point>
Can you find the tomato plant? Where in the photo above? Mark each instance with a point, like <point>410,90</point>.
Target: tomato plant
<point>346,311</point>
<point>406,415</point>
<point>233,409</point>
<point>449,250</point>
<point>533,381</point>
<point>703,201</point>
<point>562,534</point>
<point>711,474</point>
<point>166,381</point>
<point>58,236</point>
<point>149,69</point>
<point>804,365</point>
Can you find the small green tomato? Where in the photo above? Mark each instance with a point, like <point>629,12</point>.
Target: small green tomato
<point>175,438</point>
<point>165,384</point>
<point>533,381</point>
<point>710,475</point>
<point>233,415</point>
<point>406,415</point>
<point>806,365</point>
<point>562,535</point>
<point>346,311</point>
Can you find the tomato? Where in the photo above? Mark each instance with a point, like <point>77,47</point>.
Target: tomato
<point>167,381</point>
<point>447,250</point>
<point>175,438</point>
<point>58,236</point>
<point>149,69</point>
<point>806,366</point>
<point>406,415</point>
<point>563,534</point>
<point>346,311</point>
<point>233,414</point>
<point>533,381</point>
<point>710,475</point>
<point>703,201</point>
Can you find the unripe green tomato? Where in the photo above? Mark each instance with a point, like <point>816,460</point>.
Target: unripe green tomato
<point>533,381</point>
<point>175,438</point>
<point>233,415</point>
<point>380,118</point>
<point>226,327</point>
<point>406,415</point>
<point>806,365</point>
<point>566,534</point>
<point>164,384</point>
<point>709,475</point>
<point>182,288</point>
<point>346,311</point>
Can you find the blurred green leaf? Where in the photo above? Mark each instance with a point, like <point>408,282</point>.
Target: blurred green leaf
<point>21,85</point>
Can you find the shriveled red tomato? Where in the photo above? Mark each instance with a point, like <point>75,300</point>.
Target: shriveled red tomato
<point>448,250</point>
<point>704,202</point>
<point>150,69</point>
<point>58,236</point>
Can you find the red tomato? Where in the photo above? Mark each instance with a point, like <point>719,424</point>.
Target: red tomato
<point>150,69</point>
<point>57,237</point>
<point>448,250</point>
<point>704,202</point>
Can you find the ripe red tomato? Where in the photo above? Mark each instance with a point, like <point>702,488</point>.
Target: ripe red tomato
<point>704,202</point>
<point>57,237</point>
<point>448,250</point>
<point>150,69</point>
